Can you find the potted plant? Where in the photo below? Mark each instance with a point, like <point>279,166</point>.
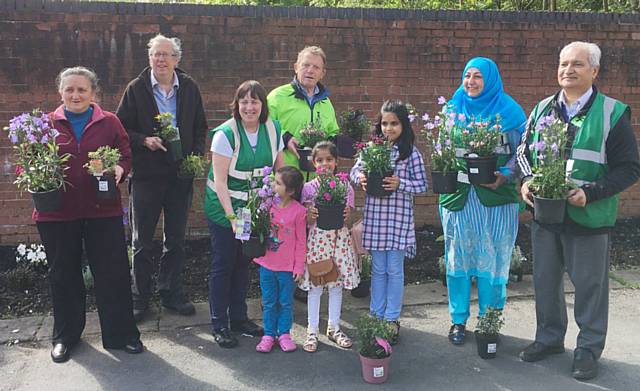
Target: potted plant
<point>364,287</point>
<point>353,124</point>
<point>254,226</point>
<point>373,337</point>
<point>39,167</point>
<point>487,331</point>
<point>331,199</point>
<point>550,184</point>
<point>169,135</point>
<point>444,165</point>
<point>481,140</point>
<point>102,166</point>
<point>192,166</point>
<point>376,161</point>
<point>310,135</point>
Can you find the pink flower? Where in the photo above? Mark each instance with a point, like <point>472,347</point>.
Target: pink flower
<point>384,343</point>
<point>344,177</point>
<point>332,184</point>
<point>327,196</point>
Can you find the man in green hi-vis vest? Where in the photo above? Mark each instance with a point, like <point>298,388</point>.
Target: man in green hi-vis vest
<point>604,157</point>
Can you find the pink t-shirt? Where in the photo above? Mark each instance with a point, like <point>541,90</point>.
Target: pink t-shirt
<point>292,239</point>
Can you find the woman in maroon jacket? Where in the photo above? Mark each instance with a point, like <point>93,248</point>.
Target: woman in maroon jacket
<point>87,222</point>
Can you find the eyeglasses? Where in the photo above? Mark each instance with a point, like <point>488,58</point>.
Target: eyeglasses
<point>158,55</point>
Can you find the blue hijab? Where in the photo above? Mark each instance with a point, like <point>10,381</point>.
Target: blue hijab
<point>491,101</point>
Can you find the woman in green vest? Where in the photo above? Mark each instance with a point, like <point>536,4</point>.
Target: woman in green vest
<point>480,223</point>
<point>241,147</point>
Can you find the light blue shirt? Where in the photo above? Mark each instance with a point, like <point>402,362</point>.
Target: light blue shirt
<point>167,102</point>
<point>310,99</point>
<point>577,105</point>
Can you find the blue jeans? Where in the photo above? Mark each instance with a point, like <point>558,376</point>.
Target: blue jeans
<point>387,283</point>
<point>277,301</point>
<point>459,289</point>
<point>228,277</point>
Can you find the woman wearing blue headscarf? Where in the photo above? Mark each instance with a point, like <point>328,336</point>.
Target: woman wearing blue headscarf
<point>480,223</point>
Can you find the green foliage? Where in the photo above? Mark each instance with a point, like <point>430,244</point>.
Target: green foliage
<point>481,138</point>
<point>312,134</point>
<point>104,159</point>
<point>517,257</point>
<point>354,124</point>
<point>87,277</point>
<point>491,322</point>
<point>166,131</point>
<point>376,156</point>
<point>438,133</point>
<point>332,189</point>
<point>365,266</point>
<point>368,328</point>
<point>21,278</point>
<point>193,166</point>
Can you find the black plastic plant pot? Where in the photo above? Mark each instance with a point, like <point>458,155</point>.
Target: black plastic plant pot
<point>374,184</point>
<point>346,146</point>
<point>362,290</point>
<point>47,201</point>
<point>487,345</point>
<point>305,162</point>
<point>549,210</point>
<point>253,248</point>
<point>481,169</point>
<point>174,148</point>
<point>330,216</point>
<point>444,182</point>
<point>106,187</point>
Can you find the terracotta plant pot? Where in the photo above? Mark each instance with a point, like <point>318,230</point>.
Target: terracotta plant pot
<point>47,201</point>
<point>106,187</point>
<point>305,162</point>
<point>481,168</point>
<point>487,345</point>
<point>549,210</point>
<point>330,216</point>
<point>346,146</point>
<point>253,248</point>
<point>374,184</point>
<point>444,182</point>
<point>375,370</point>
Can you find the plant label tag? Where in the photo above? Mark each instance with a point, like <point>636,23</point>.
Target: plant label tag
<point>243,223</point>
<point>492,348</point>
<point>103,186</point>
<point>378,372</point>
<point>474,170</point>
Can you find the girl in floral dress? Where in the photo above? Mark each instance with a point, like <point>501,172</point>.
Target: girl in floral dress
<point>323,244</point>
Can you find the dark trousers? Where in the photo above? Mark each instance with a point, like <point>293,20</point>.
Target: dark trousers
<point>228,277</point>
<point>148,198</point>
<point>586,260</point>
<point>104,243</point>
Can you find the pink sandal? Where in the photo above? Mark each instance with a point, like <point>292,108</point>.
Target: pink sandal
<point>286,344</point>
<point>266,344</point>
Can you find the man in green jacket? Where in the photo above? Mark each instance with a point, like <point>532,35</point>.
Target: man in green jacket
<point>603,157</point>
<point>303,101</point>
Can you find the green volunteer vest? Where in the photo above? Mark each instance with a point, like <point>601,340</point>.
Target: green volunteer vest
<point>245,164</point>
<point>588,156</point>
<point>293,114</point>
<point>505,194</point>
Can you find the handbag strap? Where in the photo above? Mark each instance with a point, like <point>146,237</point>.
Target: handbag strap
<point>335,244</point>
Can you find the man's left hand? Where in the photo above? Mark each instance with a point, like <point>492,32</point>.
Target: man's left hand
<point>577,197</point>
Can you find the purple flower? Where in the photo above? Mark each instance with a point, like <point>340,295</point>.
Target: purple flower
<point>265,180</point>
<point>14,138</point>
<point>540,146</point>
<point>447,142</point>
<point>262,193</point>
<point>412,117</point>
<point>425,117</point>
<point>266,171</point>
<point>437,121</point>
<point>462,117</point>
<point>429,125</point>
<point>438,147</point>
<point>450,123</point>
<point>442,100</point>
<point>44,139</point>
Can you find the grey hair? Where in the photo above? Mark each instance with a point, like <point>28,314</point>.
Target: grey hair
<point>315,50</point>
<point>175,43</point>
<point>78,71</point>
<point>591,48</point>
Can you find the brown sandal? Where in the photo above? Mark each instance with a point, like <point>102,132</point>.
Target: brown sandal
<point>311,343</point>
<point>339,338</point>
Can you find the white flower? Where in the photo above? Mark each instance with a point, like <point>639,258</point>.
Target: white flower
<point>22,249</point>
<point>31,256</point>
<point>41,256</point>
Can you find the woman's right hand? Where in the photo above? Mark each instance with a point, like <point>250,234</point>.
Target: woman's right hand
<point>312,214</point>
<point>362,180</point>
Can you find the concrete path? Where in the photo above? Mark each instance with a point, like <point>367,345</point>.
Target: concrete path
<point>181,354</point>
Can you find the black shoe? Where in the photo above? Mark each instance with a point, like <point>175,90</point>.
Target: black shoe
<point>224,338</point>
<point>537,351</point>
<point>585,366</point>
<point>134,347</point>
<point>60,353</point>
<point>183,308</point>
<point>246,327</point>
<point>457,334</point>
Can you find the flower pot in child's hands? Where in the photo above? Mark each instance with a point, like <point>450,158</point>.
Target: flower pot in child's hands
<point>330,216</point>
<point>487,345</point>
<point>375,370</point>
<point>106,187</point>
<point>481,168</point>
<point>47,201</point>
<point>305,162</point>
<point>444,182</point>
<point>549,210</point>
<point>375,183</point>
<point>253,248</point>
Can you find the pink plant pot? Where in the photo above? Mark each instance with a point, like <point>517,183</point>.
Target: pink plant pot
<point>375,370</point>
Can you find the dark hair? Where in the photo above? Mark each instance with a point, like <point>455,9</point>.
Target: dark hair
<point>293,180</point>
<point>325,146</point>
<point>406,139</point>
<point>256,91</point>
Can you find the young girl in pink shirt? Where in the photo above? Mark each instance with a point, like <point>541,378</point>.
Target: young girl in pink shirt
<point>284,263</point>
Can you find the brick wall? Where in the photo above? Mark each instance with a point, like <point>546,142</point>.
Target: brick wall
<point>372,54</point>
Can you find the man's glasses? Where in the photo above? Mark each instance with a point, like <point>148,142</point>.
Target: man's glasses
<point>158,55</point>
